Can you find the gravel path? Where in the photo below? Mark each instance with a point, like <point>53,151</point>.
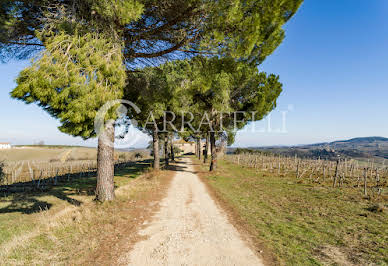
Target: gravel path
<point>190,229</point>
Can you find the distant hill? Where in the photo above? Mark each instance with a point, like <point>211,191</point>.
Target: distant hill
<point>368,148</point>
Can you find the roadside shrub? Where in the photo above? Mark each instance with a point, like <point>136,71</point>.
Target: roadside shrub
<point>251,151</point>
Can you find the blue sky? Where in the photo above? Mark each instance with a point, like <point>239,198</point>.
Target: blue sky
<point>333,65</point>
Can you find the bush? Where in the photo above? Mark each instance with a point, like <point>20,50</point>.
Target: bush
<point>248,151</point>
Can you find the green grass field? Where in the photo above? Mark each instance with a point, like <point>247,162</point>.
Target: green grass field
<point>304,224</point>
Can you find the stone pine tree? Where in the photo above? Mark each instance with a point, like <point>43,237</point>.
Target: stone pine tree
<point>159,94</point>
<point>148,90</point>
<point>77,73</point>
<point>222,86</point>
<point>166,29</point>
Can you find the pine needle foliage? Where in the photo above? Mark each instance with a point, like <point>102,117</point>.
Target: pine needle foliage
<point>74,76</point>
<point>159,30</point>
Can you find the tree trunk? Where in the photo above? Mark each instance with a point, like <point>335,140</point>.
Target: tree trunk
<point>166,149</point>
<point>105,165</point>
<point>172,152</point>
<point>213,164</point>
<point>196,148</point>
<point>336,173</point>
<point>365,181</point>
<point>199,148</point>
<point>155,142</point>
<point>206,149</point>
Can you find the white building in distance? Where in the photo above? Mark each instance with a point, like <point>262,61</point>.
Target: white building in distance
<point>5,145</point>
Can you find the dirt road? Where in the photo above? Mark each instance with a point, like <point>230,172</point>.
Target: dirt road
<point>190,229</point>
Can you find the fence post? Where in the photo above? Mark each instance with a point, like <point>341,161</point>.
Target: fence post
<point>336,173</point>
<point>365,181</point>
<point>324,172</point>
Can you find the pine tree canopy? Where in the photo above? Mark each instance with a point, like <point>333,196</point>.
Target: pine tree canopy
<point>166,29</point>
<point>81,67</point>
<point>227,85</point>
<point>224,85</point>
<point>202,84</point>
<point>159,89</point>
<point>89,48</point>
<point>72,78</point>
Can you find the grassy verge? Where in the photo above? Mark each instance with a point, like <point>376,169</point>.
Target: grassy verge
<point>302,224</point>
<point>65,225</point>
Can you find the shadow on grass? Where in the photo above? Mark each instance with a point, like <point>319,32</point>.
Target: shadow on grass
<point>20,203</point>
<point>30,201</point>
<point>133,170</point>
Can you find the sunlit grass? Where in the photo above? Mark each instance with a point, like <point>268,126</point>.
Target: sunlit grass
<point>304,223</point>
<point>44,226</point>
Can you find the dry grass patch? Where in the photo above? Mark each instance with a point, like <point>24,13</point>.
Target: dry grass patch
<point>85,233</point>
<point>68,153</point>
<point>31,154</point>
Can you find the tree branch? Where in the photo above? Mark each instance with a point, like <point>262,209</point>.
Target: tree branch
<point>26,43</point>
<point>163,52</point>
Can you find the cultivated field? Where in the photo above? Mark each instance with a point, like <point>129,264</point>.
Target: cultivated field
<point>303,216</point>
<point>63,225</point>
<point>33,154</point>
<point>37,164</point>
<point>369,178</point>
